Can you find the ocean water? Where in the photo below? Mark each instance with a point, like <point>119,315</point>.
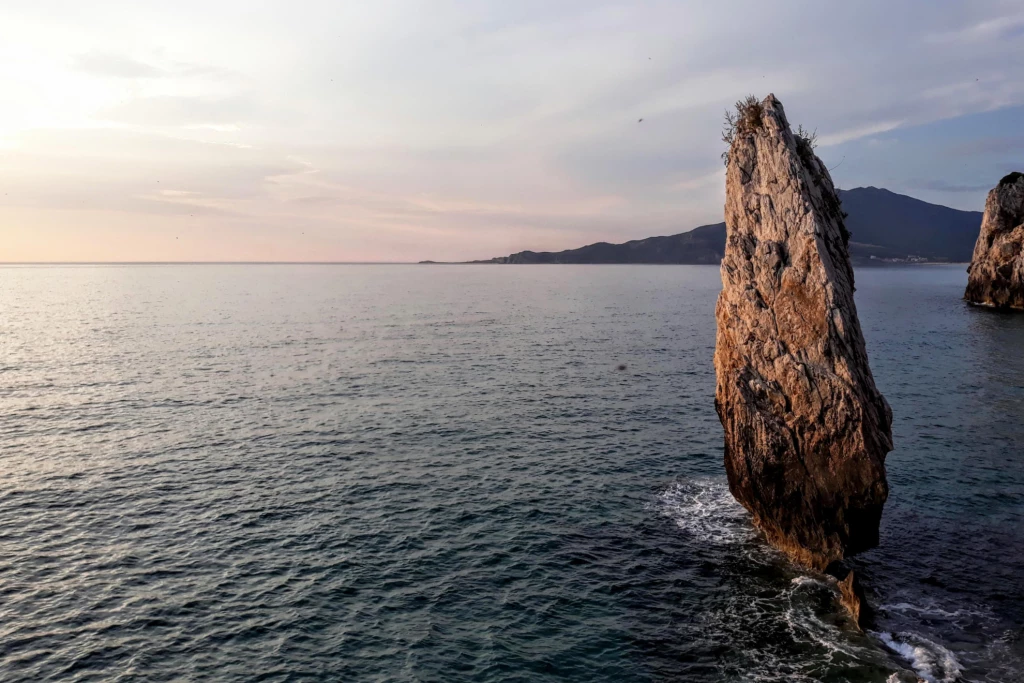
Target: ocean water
<point>412,473</point>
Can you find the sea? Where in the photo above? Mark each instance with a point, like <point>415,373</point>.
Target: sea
<point>472,473</point>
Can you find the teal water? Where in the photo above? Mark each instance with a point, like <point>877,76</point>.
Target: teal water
<point>409,473</point>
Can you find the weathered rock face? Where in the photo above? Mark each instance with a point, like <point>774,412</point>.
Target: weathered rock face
<point>851,596</point>
<point>806,431</point>
<point>996,274</point>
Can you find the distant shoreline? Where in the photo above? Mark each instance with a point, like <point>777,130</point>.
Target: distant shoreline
<point>408,263</point>
<point>856,264</point>
<point>207,263</point>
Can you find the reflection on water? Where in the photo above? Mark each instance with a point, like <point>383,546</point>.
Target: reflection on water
<point>470,474</point>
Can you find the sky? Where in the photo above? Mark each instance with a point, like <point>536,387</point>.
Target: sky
<point>402,130</point>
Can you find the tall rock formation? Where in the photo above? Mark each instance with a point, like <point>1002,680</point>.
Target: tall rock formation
<point>806,431</point>
<point>996,274</point>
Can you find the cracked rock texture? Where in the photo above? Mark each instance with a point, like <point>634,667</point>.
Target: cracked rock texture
<point>806,430</point>
<point>996,274</point>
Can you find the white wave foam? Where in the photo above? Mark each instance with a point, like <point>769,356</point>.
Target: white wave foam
<point>933,610</point>
<point>904,676</point>
<point>706,509</point>
<point>811,581</point>
<point>931,661</point>
<point>806,625</point>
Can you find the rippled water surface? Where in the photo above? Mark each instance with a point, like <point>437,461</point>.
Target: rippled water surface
<point>410,473</point>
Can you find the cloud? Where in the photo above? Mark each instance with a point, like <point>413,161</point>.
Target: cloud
<point>943,186</point>
<point>190,203</point>
<point>181,111</point>
<point>115,197</point>
<point>128,171</point>
<point>842,136</point>
<point>989,145</point>
<point>468,128</point>
<point>714,179</point>
<point>117,66</point>
<point>997,28</point>
<point>114,65</point>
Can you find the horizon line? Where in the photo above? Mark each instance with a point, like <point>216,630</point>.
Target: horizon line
<point>206,263</point>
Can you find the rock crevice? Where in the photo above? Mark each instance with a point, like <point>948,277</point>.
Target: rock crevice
<point>806,430</point>
<point>996,274</point>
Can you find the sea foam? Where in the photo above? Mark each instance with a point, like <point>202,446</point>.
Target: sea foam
<point>931,661</point>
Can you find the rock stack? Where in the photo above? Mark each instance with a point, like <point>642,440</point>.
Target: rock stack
<point>806,431</point>
<point>996,274</point>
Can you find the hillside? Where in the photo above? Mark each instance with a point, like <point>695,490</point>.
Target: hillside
<point>893,225</point>
<point>885,227</point>
<point>701,245</point>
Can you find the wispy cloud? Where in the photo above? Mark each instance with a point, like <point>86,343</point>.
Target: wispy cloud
<point>943,186</point>
<point>868,130</point>
<point>995,28</point>
<point>172,110</point>
<point>462,129</point>
<point>989,145</point>
<point>115,65</point>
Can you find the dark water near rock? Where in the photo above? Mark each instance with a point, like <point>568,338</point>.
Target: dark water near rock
<point>377,473</point>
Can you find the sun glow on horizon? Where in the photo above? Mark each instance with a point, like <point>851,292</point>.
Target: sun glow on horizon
<point>406,130</point>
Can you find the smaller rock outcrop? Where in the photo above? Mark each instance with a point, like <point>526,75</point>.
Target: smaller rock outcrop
<point>996,274</point>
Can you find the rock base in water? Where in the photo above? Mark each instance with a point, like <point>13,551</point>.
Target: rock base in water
<point>853,598</point>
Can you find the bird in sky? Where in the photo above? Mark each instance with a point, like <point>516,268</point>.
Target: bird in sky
<point>640,121</point>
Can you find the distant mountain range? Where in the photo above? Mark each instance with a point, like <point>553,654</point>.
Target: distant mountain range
<point>885,227</point>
